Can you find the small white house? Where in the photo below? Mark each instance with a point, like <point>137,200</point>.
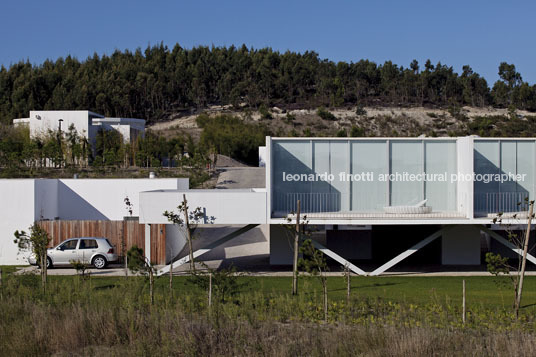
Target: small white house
<point>87,124</point>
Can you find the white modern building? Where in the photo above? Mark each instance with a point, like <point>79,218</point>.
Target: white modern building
<point>374,202</point>
<point>86,123</point>
<point>377,201</point>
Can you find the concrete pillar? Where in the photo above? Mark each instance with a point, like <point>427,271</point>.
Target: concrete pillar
<point>461,246</point>
<point>148,242</point>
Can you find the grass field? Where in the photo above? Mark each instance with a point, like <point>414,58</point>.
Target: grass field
<point>411,316</point>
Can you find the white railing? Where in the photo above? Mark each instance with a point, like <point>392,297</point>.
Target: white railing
<point>311,202</point>
<point>495,202</point>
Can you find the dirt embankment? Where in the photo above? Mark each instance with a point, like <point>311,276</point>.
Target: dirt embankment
<point>369,121</point>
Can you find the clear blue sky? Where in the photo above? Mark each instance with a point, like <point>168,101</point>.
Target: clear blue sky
<point>481,33</point>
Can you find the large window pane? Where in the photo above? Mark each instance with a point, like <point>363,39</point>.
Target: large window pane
<point>289,158</point>
<point>440,159</point>
<point>369,156</point>
<point>406,159</point>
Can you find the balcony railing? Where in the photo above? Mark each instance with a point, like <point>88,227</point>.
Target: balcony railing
<point>495,202</point>
<point>310,202</point>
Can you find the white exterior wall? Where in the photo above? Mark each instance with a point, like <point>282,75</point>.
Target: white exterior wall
<point>226,206</point>
<point>17,208</point>
<point>24,201</point>
<point>46,199</point>
<point>49,121</point>
<point>175,241</point>
<point>461,246</point>
<point>92,199</point>
<point>262,156</point>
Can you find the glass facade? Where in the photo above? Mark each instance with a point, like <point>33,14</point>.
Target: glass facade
<point>358,175</point>
<point>504,175</point>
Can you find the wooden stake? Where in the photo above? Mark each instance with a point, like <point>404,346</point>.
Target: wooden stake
<point>188,234</point>
<point>296,246</point>
<point>463,301</point>
<point>209,289</point>
<point>171,278</point>
<point>348,286</point>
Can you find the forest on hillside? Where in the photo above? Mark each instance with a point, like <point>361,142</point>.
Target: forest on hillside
<point>159,81</point>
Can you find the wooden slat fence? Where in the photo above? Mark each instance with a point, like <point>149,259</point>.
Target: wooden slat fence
<point>131,230</point>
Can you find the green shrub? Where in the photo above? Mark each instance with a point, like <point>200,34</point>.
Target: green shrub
<point>265,113</point>
<point>325,114</point>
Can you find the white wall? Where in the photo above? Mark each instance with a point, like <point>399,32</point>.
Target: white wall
<point>91,199</point>
<point>46,199</point>
<point>226,206</point>
<point>262,156</point>
<point>460,245</point>
<point>27,200</point>
<point>17,213</point>
<point>49,121</point>
<point>175,241</point>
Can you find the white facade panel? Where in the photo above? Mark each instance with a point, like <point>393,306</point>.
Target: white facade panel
<point>17,207</point>
<point>93,199</point>
<point>225,206</point>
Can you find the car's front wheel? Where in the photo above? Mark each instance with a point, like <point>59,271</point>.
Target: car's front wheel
<point>49,263</point>
<point>99,262</point>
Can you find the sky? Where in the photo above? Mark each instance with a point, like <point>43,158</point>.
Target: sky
<point>479,33</point>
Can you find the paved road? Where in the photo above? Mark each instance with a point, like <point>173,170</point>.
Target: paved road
<point>267,270</point>
<point>242,177</point>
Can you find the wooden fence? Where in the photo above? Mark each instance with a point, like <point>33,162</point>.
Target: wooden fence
<point>131,231</point>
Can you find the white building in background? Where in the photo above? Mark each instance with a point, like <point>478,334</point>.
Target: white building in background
<point>86,123</point>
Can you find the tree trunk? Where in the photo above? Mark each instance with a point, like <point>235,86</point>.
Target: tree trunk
<point>209,290</point>
<point>151,285</point>
<point>296,246</point>
<point>348,286</point>
<point>171,278</point>
<point>524,261</point>
<point>463,301</point>
<point>325,293</point>
<point>188,234</point>
<point>44,271</point>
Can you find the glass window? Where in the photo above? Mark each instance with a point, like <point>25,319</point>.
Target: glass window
<point>440,164</point>
<point>291,159</point>
<point>369,161</point>
<point>88,244</point>
<point>69,245</point>
<point>406,159</point>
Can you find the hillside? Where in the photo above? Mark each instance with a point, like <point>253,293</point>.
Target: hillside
<point>157,83</point>
<point>368,121</point>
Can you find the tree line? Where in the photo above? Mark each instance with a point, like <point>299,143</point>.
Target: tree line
<point>158,81</point>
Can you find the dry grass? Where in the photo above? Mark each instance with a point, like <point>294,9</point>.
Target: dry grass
<point>114,318</point>
<point>78,331</point>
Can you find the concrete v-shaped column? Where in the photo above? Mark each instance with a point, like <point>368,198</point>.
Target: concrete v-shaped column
<point>507,243</point>
<point>338,258</point>
<point>207,249</point>
<point>409,252</point>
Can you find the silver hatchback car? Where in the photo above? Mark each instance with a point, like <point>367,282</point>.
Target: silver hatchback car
<point>90,250</point>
